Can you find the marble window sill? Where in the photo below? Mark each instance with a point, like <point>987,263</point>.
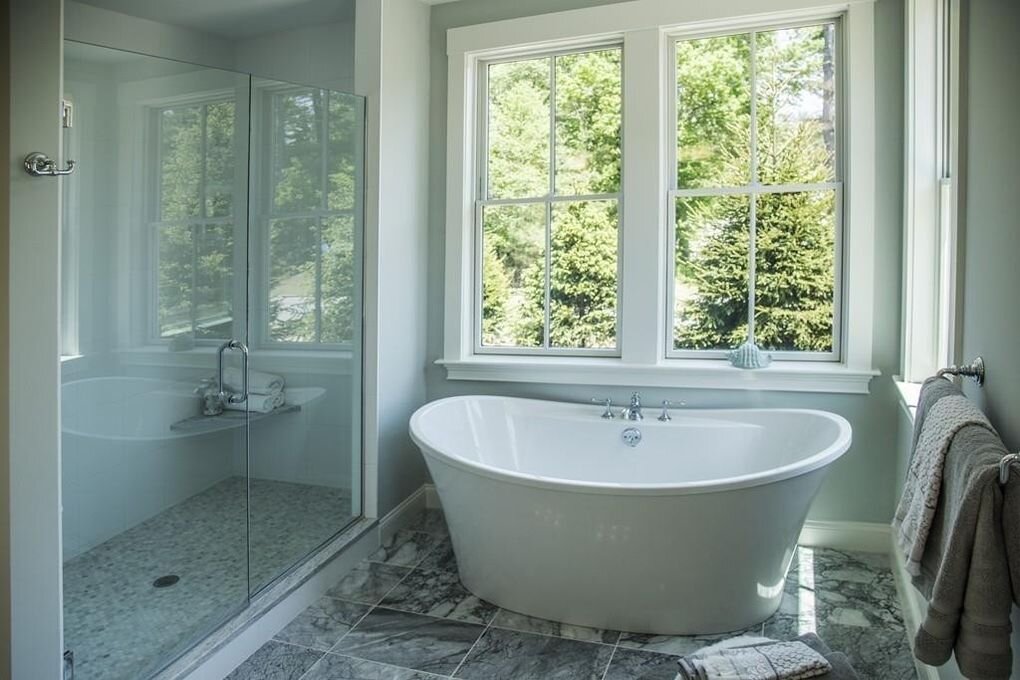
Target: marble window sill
<point>909,394</point>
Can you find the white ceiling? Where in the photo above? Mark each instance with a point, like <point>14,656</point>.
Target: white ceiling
<point>234,19</point>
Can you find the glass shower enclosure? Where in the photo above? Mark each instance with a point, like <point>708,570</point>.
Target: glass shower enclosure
<point>211,321</point>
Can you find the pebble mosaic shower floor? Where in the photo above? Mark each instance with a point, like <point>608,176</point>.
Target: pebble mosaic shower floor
<point>403,615</point>
<point>119,624</point>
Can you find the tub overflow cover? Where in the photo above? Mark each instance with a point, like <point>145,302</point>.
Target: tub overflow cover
<point>631,436</point>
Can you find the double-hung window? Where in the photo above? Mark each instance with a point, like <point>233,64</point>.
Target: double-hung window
<point>758,197</point>
<point>194,219</point>
<point>548,210</point>
<point>310,203</point>
<point>633,191</point>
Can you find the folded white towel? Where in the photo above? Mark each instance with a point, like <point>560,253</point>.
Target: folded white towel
<point>258,382</point>
<point>771,661</point>
<point>260,403</point>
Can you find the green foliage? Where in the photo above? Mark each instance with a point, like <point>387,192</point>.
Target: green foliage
<point>583,237</point>
<point>713,109</point>
<point>312,279</point>
<point>310,237</point>
<point>794,232</point>
<point>495,291</point>
<point>195,257</point>
<point>582,282</point>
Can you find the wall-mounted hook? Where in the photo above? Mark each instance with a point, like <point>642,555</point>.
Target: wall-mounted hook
<point>40,165</point>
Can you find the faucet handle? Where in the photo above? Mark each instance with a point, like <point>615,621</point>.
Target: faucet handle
<point>608,403</point>
<point>666,405</point>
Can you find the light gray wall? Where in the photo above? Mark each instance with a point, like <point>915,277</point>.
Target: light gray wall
<point>861,485</point>
<point>321,55</point>
<point>316,55</point>
<point>396,253</point>
<point>990,315</point>
<point>991,220</point>
<point>5,478</point>
<point>113,29</point>
<point>989,225</point>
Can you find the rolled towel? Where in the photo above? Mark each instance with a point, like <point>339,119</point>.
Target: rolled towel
<point>258,382</point>
<point>769,661</point>
<point>259,403</point>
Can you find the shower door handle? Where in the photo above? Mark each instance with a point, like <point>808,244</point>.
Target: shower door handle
<point>233,398</point>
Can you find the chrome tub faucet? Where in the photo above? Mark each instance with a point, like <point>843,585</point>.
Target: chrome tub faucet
<point>633,412</point>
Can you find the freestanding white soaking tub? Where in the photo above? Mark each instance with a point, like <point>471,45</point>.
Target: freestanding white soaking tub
<point>691,530</point>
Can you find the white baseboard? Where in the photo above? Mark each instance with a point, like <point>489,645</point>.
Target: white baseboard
<point>404,514</point>
<point>913,605</point>
<point>857,536</point>
<point>431,497</point>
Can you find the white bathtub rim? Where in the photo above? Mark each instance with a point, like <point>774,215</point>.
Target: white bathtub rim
<point>816,461</point>
<point>307,397</point>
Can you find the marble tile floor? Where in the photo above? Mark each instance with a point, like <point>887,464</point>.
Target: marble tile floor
<point>120,626</point>
<point>403,615</point>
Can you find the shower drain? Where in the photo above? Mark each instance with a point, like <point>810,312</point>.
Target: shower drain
<point>166,581</point>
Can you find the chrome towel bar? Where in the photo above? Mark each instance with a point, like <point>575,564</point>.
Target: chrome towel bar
<point>974,370</point>
<point>1006,464</point>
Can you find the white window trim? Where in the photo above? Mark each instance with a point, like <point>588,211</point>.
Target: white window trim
<point>931,189</point>
<point>752,188</point>
<point>645,28</point>
<point>148,120</point>
<point>481,201</point>
<point>260,170</point>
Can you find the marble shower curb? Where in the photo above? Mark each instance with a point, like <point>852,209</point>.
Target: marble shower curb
<point>234,641</point>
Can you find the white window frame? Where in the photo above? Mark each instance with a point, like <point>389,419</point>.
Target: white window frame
<point>646,29</point>
<point>481,200</point>
<point>153,219</point>
<point>264,132</point>
<point>70,251</point>
<point>752,189</point>
<point>931,188</point>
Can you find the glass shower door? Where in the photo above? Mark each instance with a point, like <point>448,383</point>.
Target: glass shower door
<point>154,479</point>
<point>306,218</point>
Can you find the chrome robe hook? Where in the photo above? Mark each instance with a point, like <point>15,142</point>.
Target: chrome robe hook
<point>39,164</point>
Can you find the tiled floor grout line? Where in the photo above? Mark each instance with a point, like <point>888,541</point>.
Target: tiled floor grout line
<point>293,644</point>
<point>472,647</point>
<point>491,623</point>
<point>370,609</point>
<point>610,662</point>
<point>552,635</point>
<point>378,663</point>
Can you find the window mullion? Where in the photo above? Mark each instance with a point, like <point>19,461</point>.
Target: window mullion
<point>752,235</point>
<point>642,300</point>
<point>547,340</point>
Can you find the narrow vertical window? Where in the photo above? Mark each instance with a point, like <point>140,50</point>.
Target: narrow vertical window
<point>194,221</point>
<point>757,197</point>
<point>313,149</point>
<point>548,209</point>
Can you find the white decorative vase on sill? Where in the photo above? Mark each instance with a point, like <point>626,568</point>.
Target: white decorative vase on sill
<point>749,355</point>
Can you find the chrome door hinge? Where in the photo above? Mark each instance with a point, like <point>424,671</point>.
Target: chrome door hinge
<point>69,665</point>
<point>67,113</point>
